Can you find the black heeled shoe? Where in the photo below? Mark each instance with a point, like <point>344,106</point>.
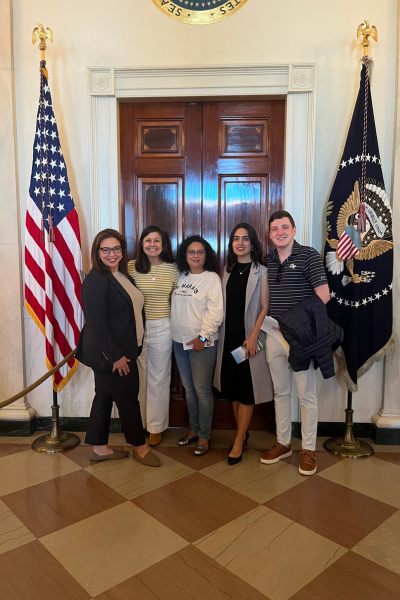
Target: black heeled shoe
<point>234,460</point>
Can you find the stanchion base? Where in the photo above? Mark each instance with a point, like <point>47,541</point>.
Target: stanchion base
<point>46,444</point>
<point>357,449</point>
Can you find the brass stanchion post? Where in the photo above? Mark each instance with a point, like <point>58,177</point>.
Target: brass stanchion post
<point>347,446</point>
<point>56,440</point>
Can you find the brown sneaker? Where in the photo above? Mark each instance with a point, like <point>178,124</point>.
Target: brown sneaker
<point>154,439</point>
<point>276,453</point>
<point>308,465</point>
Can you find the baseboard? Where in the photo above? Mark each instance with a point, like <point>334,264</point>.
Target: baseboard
<point>28,428</point>
<point>18,428</point>
<point>328,429</point>
<point>385,436</point>
<point>325,429</point>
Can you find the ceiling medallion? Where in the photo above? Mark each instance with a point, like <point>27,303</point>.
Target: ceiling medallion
<point>199,12</point>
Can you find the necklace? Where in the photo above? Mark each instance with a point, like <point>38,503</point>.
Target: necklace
<point>241,272</point>
<point>153,277</point>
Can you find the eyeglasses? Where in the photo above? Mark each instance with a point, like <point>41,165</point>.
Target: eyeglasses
<point>193,252</point>
<point>278,275</point>
<point>116,250</point>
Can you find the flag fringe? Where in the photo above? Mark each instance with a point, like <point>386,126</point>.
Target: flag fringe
<point>63,383</point>
<point>377,357</point>
<point>35,317</point>
<point>368,61</point>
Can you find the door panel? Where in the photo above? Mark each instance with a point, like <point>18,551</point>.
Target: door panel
<point>242,199</point>
<point>243,138</point>
<point>160,201</point>
<point>201,167</point>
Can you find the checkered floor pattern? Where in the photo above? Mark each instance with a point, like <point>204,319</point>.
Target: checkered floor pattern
<point>197,529</point>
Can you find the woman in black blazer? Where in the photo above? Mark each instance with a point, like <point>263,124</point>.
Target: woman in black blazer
<point>109,343</point>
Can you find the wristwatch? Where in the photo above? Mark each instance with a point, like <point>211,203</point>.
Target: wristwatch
<point>202,339</point>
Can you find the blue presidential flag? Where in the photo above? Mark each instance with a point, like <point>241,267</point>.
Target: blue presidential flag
<point>359,244</point>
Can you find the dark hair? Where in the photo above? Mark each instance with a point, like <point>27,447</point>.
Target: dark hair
<point>256,247</point>
<point>211,257</point>
<point>97,263</point>
<point>281,214</point>
<point>142,264</point>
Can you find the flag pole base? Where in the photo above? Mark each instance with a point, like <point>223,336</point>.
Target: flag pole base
<point>55,441</point>
<point>347,446</point>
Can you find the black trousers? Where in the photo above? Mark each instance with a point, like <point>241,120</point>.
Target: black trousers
<point>123,390</point>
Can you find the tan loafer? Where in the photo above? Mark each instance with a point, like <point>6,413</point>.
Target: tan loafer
<point>150,459</point>
<point>154,439</point>
<point>114,456</point>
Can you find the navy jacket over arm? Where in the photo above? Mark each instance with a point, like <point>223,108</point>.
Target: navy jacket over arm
<point>311,335</point>
<point>110,329</point>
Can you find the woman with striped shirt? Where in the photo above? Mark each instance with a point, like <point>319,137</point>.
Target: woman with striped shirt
<point>155,275</point>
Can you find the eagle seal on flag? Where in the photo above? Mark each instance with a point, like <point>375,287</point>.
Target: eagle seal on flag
<point>359,244</point>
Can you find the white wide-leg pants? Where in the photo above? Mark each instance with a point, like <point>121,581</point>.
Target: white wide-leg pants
<point>154,365</point>
<point>282,377</point>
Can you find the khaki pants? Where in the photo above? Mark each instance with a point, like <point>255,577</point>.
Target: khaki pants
<point>154,365</point>
<point>282,376</point>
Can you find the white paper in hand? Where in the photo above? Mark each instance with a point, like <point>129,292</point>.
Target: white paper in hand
<point>271,327</point>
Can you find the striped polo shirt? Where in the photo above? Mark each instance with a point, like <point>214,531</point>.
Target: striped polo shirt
<point>294,279</point>
<point>156,287</point>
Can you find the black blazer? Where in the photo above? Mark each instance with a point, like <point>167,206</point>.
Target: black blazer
<point>110,329</point>
<point>311,335</point>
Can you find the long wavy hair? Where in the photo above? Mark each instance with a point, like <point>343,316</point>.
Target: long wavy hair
<point>142,264</point>
<point>211,258</point>
<point>256,247</point>
<point>97,263</point>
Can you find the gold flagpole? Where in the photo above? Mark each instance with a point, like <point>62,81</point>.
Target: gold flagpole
<point>57,440</point>
<point>348,446</point>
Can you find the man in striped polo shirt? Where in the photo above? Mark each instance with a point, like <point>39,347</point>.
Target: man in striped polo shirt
<point>295,272</point>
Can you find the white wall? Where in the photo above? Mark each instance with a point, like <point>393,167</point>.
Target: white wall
<point>134,33</point>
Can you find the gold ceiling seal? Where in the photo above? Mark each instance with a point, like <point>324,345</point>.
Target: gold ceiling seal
<point>199,12</point>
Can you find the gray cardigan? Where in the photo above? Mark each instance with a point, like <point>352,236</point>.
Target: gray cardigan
<point>260,375</point>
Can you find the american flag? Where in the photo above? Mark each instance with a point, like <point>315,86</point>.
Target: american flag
<point>52,268</point>
<point>349,244</point>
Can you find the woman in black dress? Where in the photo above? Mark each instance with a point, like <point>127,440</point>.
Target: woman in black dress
<point>246,296</point>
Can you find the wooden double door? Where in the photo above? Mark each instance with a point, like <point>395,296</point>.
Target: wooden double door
<point>200,168</point>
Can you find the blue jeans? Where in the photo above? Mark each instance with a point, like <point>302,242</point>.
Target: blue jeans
<point>196,370</point>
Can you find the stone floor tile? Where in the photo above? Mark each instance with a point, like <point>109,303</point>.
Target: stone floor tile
<point>131,479</point>
<point>383,544</point>
<point>24,469</point>
<point>187,457</point>
<point>104,550</point>
<point>393,457</point>
<point>194,506</point>
<point>272,553</point>
<point>373,477</point>
<point>253,479</point>
<point>352,577</point>
<point>12,448</point>
<point>30,572</point>
<point>186,575</point>
<point>332,510</point>
<point>13,533</point>
<point>60,502</point>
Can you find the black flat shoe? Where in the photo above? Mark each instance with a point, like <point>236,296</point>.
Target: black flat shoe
<point>186,440</point>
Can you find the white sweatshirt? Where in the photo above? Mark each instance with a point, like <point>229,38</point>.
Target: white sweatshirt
<point>196,306</point>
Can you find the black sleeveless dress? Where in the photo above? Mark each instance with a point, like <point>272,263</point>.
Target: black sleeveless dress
<point>236,383</point>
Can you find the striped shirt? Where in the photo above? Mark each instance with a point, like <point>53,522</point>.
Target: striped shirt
<point>294,279</point>
<point>156,287</point>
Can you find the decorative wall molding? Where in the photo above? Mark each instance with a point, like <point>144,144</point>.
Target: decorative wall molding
<point>296,81</point>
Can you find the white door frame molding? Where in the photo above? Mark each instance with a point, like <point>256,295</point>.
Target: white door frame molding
<point>294,80</point>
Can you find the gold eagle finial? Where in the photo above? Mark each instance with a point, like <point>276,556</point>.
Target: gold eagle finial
<point>366,31</point>
<point>41,34</point>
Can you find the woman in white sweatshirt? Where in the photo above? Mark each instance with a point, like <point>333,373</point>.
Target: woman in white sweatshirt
<point>196,314</point>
